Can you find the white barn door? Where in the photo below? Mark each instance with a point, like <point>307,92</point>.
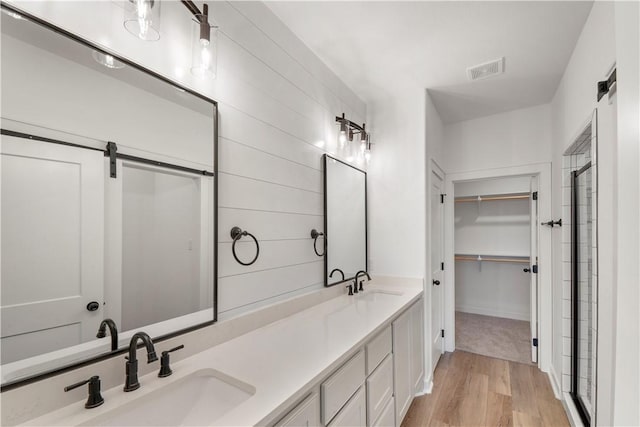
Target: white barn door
<point>52,233</point>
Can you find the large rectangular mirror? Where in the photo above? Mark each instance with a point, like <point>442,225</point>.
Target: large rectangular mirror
<point>345,217</point>
<point>108,202</point>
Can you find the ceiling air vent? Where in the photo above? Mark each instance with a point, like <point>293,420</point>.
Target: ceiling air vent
<point>488,69</point>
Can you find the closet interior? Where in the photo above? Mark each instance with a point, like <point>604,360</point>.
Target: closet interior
<point>495,267</point>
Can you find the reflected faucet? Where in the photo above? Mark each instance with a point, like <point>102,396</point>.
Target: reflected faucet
<point>113,331</point>
<point>131,367</point>
<point>355,285</point>
<point>339,271</point>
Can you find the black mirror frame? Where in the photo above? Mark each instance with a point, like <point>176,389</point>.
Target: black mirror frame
<point>95,359</point>
<point>326,158</point>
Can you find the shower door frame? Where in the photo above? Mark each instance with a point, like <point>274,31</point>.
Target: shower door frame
<point>575,320</point>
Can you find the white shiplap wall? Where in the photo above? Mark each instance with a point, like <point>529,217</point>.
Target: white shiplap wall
<point>275,125</point>
<point>277,103</point>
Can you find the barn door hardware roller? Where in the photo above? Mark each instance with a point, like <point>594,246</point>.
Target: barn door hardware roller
<point>553,223</point>
<point>605,85</point>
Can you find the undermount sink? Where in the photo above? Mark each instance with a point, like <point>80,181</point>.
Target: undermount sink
<point>377,295</point>
<point>198,399</point>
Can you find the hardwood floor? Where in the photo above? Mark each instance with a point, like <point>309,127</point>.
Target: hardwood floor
<point>470,389</point>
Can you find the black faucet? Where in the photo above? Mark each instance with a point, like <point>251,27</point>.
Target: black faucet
<point>131,367</point>
<point>355,285</point>
<point>339,271</point>
<point>113,331</point>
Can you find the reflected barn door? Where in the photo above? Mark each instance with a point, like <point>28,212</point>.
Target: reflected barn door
<point>52,232</point>
<point>437,278</point>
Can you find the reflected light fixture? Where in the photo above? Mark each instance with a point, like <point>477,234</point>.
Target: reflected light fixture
<point>106,60</point>
<point>11,13</point>
<point>142,19</point>
<point>347,131</point>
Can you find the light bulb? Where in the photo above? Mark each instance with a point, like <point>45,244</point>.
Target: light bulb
<point>342,138</point>
<point>367,155</point>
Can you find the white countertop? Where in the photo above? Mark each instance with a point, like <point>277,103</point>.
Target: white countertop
<point>282,360</point>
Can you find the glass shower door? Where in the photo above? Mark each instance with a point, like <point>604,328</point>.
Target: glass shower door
<point>583,294</point>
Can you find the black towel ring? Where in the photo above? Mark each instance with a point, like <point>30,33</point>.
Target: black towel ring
<point>236,234</point>
<point>314,235</point>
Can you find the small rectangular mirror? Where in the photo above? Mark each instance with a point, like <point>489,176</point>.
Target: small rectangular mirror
<point>108,201</point>
<point>345,216</point>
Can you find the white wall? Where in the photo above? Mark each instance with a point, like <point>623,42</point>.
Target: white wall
<point>277,103</point>
<point>397,186</point>
<point>627,375</point>
<point>514,138</point>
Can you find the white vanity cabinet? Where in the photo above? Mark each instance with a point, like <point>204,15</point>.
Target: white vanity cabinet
<point>376,385</point>
<point>408,353</point>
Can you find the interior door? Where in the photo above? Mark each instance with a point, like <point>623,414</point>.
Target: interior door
<point>52,231</point>
<point>533,268</point>
<point>437,278</point>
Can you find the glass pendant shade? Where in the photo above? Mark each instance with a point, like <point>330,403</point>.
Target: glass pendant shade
<point>107,60</point>
<point>204,47</point>
<point>142,19</point>
<point>342,138</point>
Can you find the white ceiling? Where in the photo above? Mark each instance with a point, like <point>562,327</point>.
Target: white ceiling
<point>378,48</point>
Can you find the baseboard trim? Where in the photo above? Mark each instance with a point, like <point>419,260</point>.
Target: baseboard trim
<point>427,389</point>
<point>571,410</point>
<point>555,383</point>
<point>489,312</point>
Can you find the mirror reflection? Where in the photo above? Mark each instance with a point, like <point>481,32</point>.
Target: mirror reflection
<point>346,220</point>
<point>92,230</point>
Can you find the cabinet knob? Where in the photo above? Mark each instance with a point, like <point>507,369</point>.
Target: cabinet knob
<point>436,282</point>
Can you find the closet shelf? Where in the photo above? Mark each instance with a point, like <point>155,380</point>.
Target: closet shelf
<point>490,198</point>
<point>493,258</point>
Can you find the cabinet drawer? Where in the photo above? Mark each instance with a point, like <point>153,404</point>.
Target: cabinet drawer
<point>354,413</point>
<point>306,413</point>
<point>341,385</point>
<point>379,388</point>
<point>387,418</point>
<point>378,348</point>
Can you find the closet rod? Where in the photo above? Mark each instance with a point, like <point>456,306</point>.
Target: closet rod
<point>523,260</point>
<point>491,198</point>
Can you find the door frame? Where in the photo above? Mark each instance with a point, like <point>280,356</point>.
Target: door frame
<point>545,275</point>
<point>434,167</point>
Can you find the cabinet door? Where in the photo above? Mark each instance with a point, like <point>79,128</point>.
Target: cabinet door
<point>417,346</point>
<point>387,418</point>
<point>306,414</point>
<point>403,384</point>
<point>354,413</point>
<point>379,388</point>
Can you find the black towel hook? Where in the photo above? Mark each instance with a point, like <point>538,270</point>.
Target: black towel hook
<point>314,235</point>
<point>236,234</point>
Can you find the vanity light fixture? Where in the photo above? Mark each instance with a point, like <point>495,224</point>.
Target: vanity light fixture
<point>204,45</point>
<point>142,19</point>
<point>347,131</point>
